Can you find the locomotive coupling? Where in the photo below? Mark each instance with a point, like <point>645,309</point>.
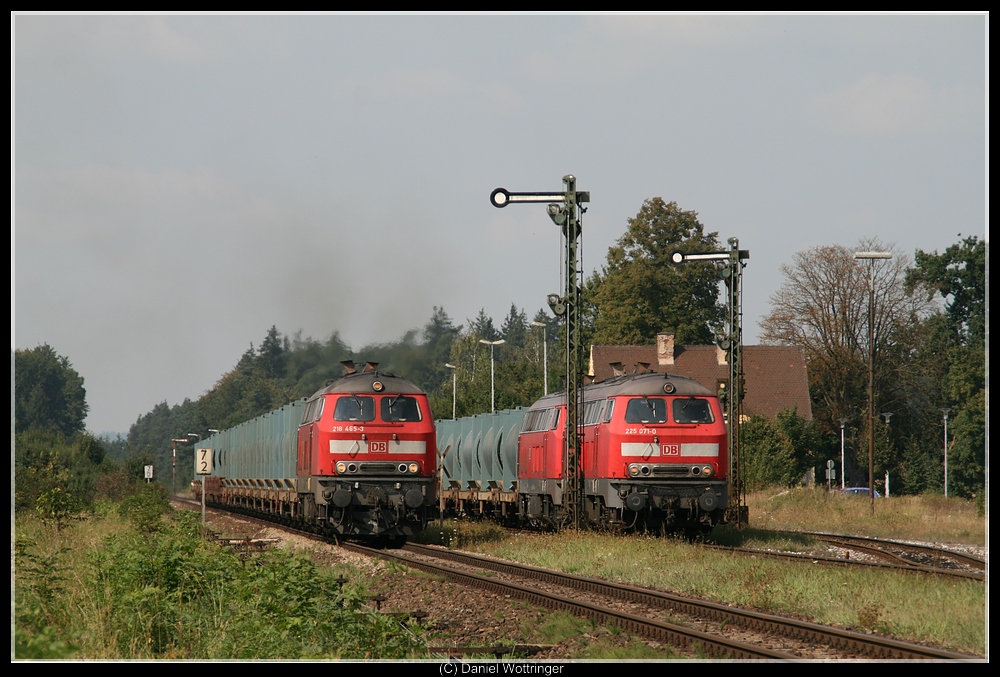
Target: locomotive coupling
<point>635,501</point>
<point>708,501</point>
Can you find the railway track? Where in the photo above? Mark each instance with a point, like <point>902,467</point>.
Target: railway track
<point>708,629</point>
<point>699,642</point>
<point>912,555</point>
<point>886,559</point>
<point>797,639</point>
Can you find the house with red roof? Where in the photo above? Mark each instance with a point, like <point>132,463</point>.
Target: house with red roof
<point>775,377</point>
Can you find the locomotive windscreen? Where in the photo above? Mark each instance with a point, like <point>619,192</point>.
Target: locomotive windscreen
<point>400,409</point>
<point>646,410</point>
<point>354,408</point>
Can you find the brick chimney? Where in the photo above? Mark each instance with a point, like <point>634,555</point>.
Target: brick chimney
<point>664,349</point>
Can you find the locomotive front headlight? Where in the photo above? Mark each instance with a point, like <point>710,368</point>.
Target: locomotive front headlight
<point>414,468</point>
<point>707,471</point>
<point>633,470</point>
<point>341,467</point>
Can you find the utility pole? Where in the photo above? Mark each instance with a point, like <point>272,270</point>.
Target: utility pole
<point>871,257</point>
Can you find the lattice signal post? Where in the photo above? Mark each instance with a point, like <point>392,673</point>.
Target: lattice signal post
<point>730,266</point>
<point>565,209</point>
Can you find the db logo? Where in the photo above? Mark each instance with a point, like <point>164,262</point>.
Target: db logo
<point>376,447</point>
<point>670,450</point>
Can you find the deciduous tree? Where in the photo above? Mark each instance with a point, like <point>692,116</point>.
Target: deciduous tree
<point>639,292</point>
<point>48,392</point>
<point>925,360</point>
<point>823,307</point>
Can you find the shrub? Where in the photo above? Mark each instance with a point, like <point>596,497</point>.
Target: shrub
<point>145,507</point>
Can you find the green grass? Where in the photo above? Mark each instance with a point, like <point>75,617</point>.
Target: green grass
<point>558,626</point>
<point>928,517</point>
<point>908,606</point>
<point>455,533</point>
<point>763,539</point>
<point>122,588</point>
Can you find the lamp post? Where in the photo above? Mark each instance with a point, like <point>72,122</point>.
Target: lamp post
<point>843,470</point>
<point>545,354</point>
<point>871,257</point>
<point>173,481</point>
<point>887,415</point>
<point>492,345</point>
<point>944,412</point>
<point>454,383</point>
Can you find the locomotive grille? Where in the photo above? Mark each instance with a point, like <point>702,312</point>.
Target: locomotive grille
<point>377,468</point>
<point>671,470</point>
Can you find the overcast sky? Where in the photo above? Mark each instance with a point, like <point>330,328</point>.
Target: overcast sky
<point>180,184</point>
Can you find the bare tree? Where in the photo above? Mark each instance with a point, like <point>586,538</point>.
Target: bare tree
<point>823,307</point>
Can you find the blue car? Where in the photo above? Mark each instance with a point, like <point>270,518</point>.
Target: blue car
<point>859,491</point>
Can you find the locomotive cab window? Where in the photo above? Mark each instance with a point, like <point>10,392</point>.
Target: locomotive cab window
<point>592,412</point>
<point>610,411</point>
<point>646,410</point>
<point>691,410</point>
<point>399,408</point>
<point>535,420</point>
<point>307,413</point>
<point>354,408</point>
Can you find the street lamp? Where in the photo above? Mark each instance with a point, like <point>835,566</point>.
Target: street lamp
<point>492,345</point>
<point>944,412</point>
<point>454,372</point>
<point>887,415</point>
<point>871,257</point>
<point>545,354</point>
<point>843,469</point>
<point>173,481</point>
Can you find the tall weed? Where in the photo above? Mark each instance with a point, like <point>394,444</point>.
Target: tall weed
<point>171,594</point>
<point>163,592</point>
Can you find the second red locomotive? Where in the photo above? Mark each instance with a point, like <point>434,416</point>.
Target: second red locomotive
<point>653,457</point>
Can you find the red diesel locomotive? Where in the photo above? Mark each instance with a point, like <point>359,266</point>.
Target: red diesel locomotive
<point>357,459</point>
<point>653,457</point>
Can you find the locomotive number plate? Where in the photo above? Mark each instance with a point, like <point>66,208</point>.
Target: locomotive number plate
<point>375,447</point>
<point>670,450</point>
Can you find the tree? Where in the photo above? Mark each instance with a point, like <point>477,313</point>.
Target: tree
<point>48,392</point>
<point>639,292</point>
<point>954,343</point>
<point>959,276</point>
<point>483,327</point>
<point>823,307</point>
<point>768,455</point>
<point>270,360</point>
<point>59,507</point>
<point>518,367</point>
<point>515,328</point>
